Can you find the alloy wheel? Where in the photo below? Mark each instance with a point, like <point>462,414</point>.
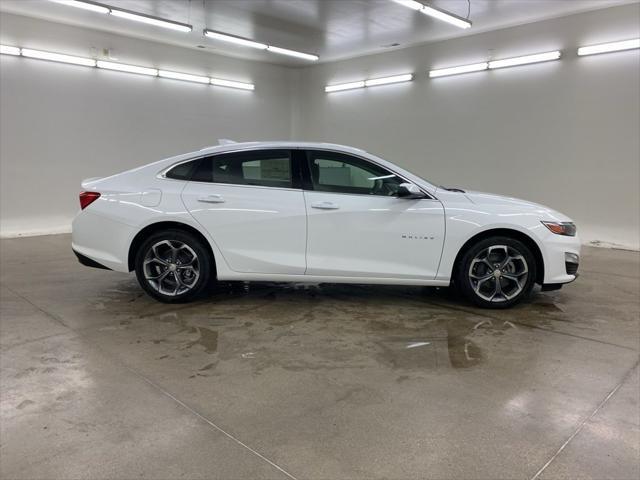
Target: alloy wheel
<point>171,267</point>
<point>498,273</point>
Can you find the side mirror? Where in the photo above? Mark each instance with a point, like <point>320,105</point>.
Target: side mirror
<point>409,191</point>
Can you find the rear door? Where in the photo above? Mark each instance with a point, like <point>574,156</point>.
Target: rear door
<point>252,205</point>
<point>359,227</point>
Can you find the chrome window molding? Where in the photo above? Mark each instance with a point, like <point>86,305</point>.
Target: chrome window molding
<point>163,173</point>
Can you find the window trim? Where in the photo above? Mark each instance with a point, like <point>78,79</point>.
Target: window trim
<point>305,175</point>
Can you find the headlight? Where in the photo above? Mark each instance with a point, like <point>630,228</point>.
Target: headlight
<point>568,229</point>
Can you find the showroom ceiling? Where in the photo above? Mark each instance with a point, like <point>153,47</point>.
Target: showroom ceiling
<point>331,29</point>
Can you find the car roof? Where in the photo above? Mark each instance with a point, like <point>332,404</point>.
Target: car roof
<point>228,146</point>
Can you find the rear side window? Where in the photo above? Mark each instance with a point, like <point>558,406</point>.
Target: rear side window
<point>267,168</point>
<point>183,171</point>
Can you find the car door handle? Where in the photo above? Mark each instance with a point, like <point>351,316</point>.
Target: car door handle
<point>215,198</point>
<point>325,205</point>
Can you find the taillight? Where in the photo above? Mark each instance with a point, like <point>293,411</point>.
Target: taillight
<point>87,198</point>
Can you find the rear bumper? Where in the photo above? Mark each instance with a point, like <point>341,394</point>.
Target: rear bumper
<point>101,240</point>
<point>87,262</point>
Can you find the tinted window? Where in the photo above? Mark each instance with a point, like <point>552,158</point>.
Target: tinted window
<point>182,171</point>
<point>269,168</point>
<point>340,173</point>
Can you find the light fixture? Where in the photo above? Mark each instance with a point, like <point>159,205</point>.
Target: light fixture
<point>158,22</point>
<point>344,86</point>
<point>609,47</point>
<point>182,76</point>
<point>388,80</point>
<point>232,84</point>
<point>122,67</point>
<point>7,50</point>
<point>233,39</point>
<point>435,12</point>
<point>292,53</point>
<point>475,67</point>
<point>93,7</point>
<point>446,17</point>
<point>412,4</point>
<point>372,82</point>
<point>58,57</point>
<point>536,58</point>
<point>245,42</point>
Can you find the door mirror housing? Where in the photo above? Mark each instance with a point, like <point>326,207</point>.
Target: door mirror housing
<point>409,191</point>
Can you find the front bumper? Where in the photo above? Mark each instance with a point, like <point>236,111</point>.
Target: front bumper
<point>561,259</point>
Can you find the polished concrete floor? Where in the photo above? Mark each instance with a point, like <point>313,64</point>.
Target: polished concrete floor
<point>329,382</point>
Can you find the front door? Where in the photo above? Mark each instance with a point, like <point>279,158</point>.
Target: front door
<point>248,204</point>
<point>359,227</point>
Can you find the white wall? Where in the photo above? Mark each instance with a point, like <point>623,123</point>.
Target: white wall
<point>62,123</point>
<point>564,133</point>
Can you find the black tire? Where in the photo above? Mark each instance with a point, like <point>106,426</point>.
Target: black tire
<point>189,283</point>
<point>513,286</point>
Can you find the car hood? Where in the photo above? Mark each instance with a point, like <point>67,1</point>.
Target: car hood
<point>492,199</point>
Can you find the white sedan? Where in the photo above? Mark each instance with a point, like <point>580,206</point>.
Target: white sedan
<point>315,212</point>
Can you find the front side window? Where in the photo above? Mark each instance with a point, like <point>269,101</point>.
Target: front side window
<point>268,168</point>
<point>341,173</point>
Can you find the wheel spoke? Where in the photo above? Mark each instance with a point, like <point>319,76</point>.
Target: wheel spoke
<point>161,276</point>
<point>480,278</point>
<point>156,260</point>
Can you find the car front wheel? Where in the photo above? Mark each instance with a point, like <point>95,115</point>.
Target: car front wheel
<point>497,272</point>
<point>173,266</point>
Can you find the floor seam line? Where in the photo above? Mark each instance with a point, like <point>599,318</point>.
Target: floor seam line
<point>32,340</point>
<point>158,388</point>
<point>586,420</point>
<point>205,419</point>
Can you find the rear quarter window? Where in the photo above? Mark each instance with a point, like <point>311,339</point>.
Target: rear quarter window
<point>184,171</point>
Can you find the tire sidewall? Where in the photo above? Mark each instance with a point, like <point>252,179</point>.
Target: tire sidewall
<point>464,283</point>
<point>204,260</point>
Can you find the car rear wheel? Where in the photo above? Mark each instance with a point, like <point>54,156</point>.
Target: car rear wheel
<point>173,266</point>
<point>497,272</point>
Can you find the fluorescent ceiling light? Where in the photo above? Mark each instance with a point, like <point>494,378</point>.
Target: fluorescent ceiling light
<point>344,86</point>
<point>410,3</point>
<point>182,76</point>
<point>237,40</point>
<point>387,80</point>
<point>435,13</point>
<point>446,17</point>
<point>84,5</point>
<point>231,84</point>
<point>7,50</point>
<point>476,67</point>
<point>292,53</point>
<point>609,47</point>
<point>158,22</point>
<point>127,68</point>
<point>245,42</point>
<point>512,62</point>
<point>58,57</point>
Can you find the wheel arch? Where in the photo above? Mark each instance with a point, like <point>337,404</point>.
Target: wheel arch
<point>504,232</point>
<point>152,228</point>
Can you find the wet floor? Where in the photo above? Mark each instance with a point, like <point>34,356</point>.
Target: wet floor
<point>313,382</point>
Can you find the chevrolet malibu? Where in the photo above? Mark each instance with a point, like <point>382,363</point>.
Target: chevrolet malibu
<point>315,212</point>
